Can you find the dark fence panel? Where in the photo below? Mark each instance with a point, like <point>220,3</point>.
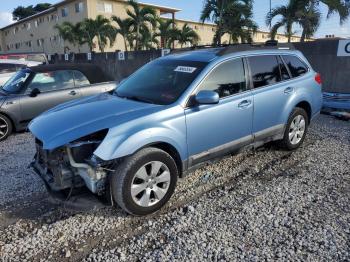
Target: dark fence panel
<point>109,62</point>
<point>335,71</point>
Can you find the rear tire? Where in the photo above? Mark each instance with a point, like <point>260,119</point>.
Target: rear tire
<point>5,127</point>
<point>296,129</point>
<point>144,182</point>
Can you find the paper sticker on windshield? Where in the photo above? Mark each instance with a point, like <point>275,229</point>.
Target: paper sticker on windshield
<point>185,69</point>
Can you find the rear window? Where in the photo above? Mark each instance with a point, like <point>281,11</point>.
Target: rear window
<point>295,65</point>
<point>265,70</point>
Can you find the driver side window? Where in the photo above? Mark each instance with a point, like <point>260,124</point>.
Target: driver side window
<point>52,81</point>
<point>226,79</point>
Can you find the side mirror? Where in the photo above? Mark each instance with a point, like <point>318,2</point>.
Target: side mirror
<point>206,97</point>
<point>34,92</point>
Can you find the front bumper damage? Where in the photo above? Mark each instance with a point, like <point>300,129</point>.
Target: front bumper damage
<point>71,167</point>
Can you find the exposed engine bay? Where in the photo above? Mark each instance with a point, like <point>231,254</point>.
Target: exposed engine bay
<point>73,165</point>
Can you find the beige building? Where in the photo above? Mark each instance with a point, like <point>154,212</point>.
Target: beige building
<point>37,33</point>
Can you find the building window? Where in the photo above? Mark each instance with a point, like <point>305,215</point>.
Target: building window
<point>64,12</point>
<point>28,26</point>
<point>40,42</point>
<point>36,23</point>
<point>79,7</point>
<point>104,7</point>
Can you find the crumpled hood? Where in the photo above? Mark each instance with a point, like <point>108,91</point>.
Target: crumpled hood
<point>70,121</point>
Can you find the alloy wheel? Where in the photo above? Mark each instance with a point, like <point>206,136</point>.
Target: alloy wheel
<point>150,184</point>
<point>3,128</point>
<point>297,129</point>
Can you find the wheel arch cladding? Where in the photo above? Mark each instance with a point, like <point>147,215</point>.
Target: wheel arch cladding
<point>172,151</point>
<point>307,107</point>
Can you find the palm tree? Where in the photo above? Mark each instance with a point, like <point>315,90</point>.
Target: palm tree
<point>309,20</point>
<point>288,14</point>
<point>100,28</point>
<point>185,35</point>
<point>213,10</point>
<point>140,17</point>
<point>238,21</point>
<point>310,14</point>
<point>148,39</point>
<point>165,31</point>
<point>124,29</point>
<point>71,33</point>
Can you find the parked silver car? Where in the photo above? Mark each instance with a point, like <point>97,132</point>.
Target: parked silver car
<point>9,67</point>
<point>31,91</point>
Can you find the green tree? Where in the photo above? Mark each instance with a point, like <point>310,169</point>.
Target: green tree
<point>22,12</point>
<point>288,16</point>
<point>166,31</point>
<point>141,18</point>
<point>148,39</point>
<point>238,21</point>
<point>185,35</point>
<point>310,14</point>
<point>71,33</point>
<point>213,10</point>
<point>124,29</point>
<point>99,28</point>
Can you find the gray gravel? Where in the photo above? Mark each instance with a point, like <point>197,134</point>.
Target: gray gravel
<point>268,204</point>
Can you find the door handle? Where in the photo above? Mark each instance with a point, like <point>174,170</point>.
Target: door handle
<point>72,93</point>
<point>244,103</point>
<point>288,90</point>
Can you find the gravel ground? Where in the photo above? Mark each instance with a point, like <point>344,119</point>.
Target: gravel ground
<point>263,205</point>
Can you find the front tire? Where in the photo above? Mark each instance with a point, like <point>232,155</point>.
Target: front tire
<point>5,127</point>
<point>144,182</point>
<point>296,129</point>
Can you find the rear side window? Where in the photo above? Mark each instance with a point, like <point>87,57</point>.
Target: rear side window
<point>80,79</point>
<point>265,70</point>
<point>226,79</point>
<point>295,65</point>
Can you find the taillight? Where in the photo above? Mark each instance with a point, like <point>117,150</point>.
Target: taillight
<point>318,79</point>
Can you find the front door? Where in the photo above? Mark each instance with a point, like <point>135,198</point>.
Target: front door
<point>213,130</point>
<point>55,88</point>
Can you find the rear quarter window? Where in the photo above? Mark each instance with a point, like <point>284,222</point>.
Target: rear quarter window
<point>296,66</point>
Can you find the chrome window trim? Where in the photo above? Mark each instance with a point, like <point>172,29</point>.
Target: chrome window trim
<point>284,81</point>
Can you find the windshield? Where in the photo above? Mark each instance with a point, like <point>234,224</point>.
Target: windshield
<point>160,82</point>
<point>15,83</point>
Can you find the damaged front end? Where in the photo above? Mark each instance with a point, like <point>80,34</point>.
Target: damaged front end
<point>73,165</point>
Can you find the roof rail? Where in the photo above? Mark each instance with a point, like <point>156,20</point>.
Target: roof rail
<point>268,45</point>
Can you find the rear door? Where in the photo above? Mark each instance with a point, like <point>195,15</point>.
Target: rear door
<point>271,93</point>
<point>55,87</point>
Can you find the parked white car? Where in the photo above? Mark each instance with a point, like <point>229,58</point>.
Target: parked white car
<point>9,67</point>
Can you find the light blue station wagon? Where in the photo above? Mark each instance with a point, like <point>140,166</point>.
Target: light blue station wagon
<point>173,115</point>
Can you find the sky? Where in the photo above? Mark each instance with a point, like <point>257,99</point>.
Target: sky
<point>191,10</point>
